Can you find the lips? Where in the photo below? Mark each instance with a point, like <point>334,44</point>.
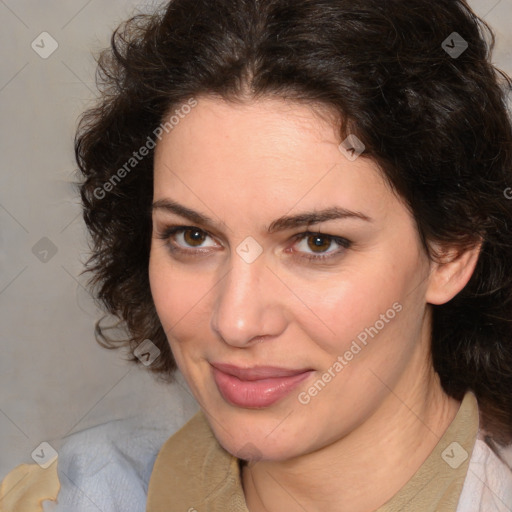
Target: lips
<point>256,387</point>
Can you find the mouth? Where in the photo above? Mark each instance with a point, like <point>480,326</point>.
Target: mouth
<point>256,387</point>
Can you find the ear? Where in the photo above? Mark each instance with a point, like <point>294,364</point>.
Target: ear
<point>450,272</point>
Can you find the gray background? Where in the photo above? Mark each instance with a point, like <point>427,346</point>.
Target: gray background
<point>54,378</point>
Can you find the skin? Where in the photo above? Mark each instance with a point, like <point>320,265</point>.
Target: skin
<point>244,165</point>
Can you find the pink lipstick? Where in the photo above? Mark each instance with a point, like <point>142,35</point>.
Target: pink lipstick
<point>258,386</point>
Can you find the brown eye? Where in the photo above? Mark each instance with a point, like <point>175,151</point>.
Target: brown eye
<point>189,241</point>
<point>319,247</point>
<point>319,243</point>
<point>194,237</point>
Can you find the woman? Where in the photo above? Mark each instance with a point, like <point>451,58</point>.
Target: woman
<point>303,206</point>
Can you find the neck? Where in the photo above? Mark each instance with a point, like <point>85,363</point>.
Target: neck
<point>364,469</point>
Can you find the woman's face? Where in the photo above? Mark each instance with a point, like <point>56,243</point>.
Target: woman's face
<point>288,277</point>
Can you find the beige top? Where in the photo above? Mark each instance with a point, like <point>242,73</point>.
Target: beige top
<point>192,471</point>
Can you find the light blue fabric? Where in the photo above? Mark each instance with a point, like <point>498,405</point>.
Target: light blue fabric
<point>107,468</point>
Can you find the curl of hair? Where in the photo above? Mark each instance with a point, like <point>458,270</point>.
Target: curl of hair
<point>436,125</point>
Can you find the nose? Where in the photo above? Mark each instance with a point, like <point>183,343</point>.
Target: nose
<point>247,306</point>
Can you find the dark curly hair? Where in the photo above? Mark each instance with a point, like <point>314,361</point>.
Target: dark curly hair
<point>431,112</point>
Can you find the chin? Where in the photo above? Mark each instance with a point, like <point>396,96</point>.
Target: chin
<point>255,449</point>
<point>252,435</point>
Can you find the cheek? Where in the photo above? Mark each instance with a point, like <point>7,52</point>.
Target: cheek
<point>342,307</point>
<point>181,297</point>
<point>372,312</point>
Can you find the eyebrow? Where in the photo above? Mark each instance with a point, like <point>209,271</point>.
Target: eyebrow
<point>281,224</point>
<point>178,209</point>
<point>315,217</point>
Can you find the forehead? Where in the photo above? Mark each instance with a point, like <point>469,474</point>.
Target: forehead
<point>268,128</point>
<point>262,154</point>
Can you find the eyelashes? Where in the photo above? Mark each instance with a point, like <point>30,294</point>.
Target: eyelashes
<point>195,242</point>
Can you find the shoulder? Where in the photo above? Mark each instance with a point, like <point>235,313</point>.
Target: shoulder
<point>488,483</point>
<point>192,467</point>
<point>184,452</point>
